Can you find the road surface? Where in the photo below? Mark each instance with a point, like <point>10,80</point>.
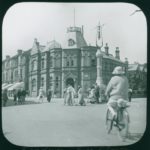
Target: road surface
<point>53,124</point>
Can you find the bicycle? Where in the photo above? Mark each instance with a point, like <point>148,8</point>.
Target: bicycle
<point>121,122</point>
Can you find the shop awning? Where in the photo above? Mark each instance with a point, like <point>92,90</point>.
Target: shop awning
<point>16,86</point>
<point>7,86</point>
<point>4,84</point>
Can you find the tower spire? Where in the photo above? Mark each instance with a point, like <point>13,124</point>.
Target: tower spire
<point>99,38</point>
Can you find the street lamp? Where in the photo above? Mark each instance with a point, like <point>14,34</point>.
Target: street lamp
<point>99,55</point>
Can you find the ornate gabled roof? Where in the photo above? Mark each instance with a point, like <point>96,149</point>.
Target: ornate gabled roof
<point>75,38</point>
<point>52,45</point>
<point>35,47</point>
<point>141,67</point>
<point>110,56</point>
<point>133,67</point>
<point>41,47</point>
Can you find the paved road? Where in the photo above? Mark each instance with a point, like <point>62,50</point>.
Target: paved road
<point>53,124</point>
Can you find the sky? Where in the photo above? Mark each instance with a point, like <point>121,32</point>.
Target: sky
<point>23,22</point>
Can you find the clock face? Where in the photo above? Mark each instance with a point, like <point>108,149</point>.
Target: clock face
<point>71,42</point>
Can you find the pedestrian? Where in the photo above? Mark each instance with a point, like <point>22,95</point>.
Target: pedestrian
<point>49,95</point>
<point>65,95</point>
<point>117,89</point>
<point>81,97</point>
<point>74,95</point>
<point>130,94</point>
<point>97,93</point>
<point>92,95</point>
<point>41,95</point>
<point>19,96</point>
<point>23,95</point>
<point>15,96</point>
<point>4,97</point>
<point>70,95</point>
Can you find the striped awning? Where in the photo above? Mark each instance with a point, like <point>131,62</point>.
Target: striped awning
<point>7,86</point>
<point>16,86</point>
<point>4,84</point>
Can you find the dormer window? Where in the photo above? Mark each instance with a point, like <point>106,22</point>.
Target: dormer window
<point>42,63</point>
<point>71,42</point>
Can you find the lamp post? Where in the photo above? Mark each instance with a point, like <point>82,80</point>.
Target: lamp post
<point>99,55</point>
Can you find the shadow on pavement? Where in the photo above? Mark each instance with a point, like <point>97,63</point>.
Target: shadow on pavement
<point>135,136</point>
<point>12,103</point>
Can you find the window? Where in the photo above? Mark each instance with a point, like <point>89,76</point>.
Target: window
<point>51,78</point>
<point>11,75</point>
<point>16,75</point>
<point>51,61</point>
<point>21,73</point>
<point>71,42</point>
<point>33,84</point>
<point>67,63</point>
<point>56,82</point>
<point>6,76</point>
<point>42,63</point>
<point>33,65</point>
<point>93,62</point>
<point>72,62</point>
<point>7,64</point>
<point>42,82</point>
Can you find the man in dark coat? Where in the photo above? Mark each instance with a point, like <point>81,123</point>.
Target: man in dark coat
<point>49,95</point>
<point>19,95</point>
<point>97,93</point>
<point>130,94</point>
<point>23,92</point>
<point>15,96</point>
<point>4,97</point>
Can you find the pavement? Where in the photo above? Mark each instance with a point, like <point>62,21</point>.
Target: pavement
<point>54,124</point>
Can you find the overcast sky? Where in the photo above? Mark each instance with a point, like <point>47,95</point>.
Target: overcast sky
<point>48,21</point>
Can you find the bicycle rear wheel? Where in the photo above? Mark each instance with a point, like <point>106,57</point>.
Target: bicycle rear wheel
<point>109,121</point>
<point>124,125</point>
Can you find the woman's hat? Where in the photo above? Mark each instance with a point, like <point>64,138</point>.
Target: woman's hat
<point>118,70</point>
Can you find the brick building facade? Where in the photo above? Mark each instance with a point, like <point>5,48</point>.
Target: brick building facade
<point>53,66</point>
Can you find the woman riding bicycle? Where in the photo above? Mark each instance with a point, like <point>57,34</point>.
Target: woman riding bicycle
<point>117,91</point>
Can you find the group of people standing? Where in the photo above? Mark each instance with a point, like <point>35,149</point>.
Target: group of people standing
<point>42,95</point>
<point>94,94</point>
<point>19,96</point>
<point>70,96</point>
<point>118,85</point>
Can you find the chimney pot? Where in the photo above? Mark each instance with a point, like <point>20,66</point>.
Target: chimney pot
<point>7,56</point>
<point>35,39</point>
<point>19,51</point>
<point>82,30</point>
<point>107,49</point>
<point>117,53</point>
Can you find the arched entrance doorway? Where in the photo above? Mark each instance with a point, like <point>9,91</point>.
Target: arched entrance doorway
<point>70,81</point>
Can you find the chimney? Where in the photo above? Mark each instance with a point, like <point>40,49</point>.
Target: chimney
<point>126,61</point>
<point>117,53</point>
<point>36,42</point>
<point>19,51</point>
<point>7,57</point>
<point>82,30</point>
<point>126,66</point>
<point>106,49</point>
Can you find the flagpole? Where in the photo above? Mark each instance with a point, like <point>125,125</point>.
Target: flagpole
<point>74,17</point>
